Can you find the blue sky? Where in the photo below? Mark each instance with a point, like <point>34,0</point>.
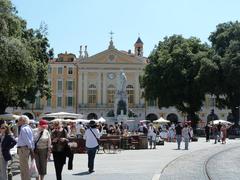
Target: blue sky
<point>72,23</point>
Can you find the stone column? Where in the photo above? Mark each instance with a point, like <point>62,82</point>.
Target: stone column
<point>80,88</point>
<point>136,89</point>
<point>99,89</point>
<point>85,88</point>
<point>104,88</point>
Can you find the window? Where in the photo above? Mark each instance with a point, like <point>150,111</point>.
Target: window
<point>59,85</point>
<point>130,93</point>
<point>69,85</point>
<point>110,94</point>
<point>59,101</point>
<point>151,102</point>
<point>70,101</point>
<point>70,70</point>
<point>92,94</point>
<point>60,70</point>
<point>49,102</point>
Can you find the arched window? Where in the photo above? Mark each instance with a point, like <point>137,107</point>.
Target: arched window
<point>92,94</point>
<point>172,117</point>
<point>130,93</point>
<point>110,95</point>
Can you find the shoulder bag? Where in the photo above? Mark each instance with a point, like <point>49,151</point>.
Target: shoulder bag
<point>40,135</point>
<point>98,140</point>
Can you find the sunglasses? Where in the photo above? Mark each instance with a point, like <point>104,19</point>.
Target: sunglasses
<point>3,128</point>
<point>57,128</point>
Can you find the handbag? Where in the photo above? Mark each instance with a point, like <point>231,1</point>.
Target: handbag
<point>33,171</point>
<point>98,140</point>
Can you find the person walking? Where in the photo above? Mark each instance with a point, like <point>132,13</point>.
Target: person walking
<point>59,143</point>
<point>219,126</point>
<point>7,142</point>
<point>178,130</point>
<point>186,136</point>
<point>171,131</point>
<point>207,132</point>
<point>215,133</point>
<point>152,136</point>
<point>92,136</point>
<point>224,133</point>
<point>42,150</point>
<point>25,146</point>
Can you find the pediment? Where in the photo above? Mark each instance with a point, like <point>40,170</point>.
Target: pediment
<point>114,56</point>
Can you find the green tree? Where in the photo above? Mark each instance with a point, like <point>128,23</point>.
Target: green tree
<point>23,59</point>
<point>178,74</point>
<point>226,45</point>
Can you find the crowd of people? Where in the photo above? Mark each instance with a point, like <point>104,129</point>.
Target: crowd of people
<point>38,143</point>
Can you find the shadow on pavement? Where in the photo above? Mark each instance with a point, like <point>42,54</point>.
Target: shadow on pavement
<point>82,173</point>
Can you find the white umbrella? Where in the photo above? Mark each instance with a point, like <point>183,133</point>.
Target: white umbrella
<point>54,120</point>
<point>101,120</point>
<point>84,121</point>
<point>33,121</point>
<point>221,121</point>
<point>62,115</point>
<point>144,121</point>
<point>9,116</point>
<point>161,120</point>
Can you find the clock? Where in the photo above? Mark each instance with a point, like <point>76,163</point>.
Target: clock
<point>111,75</point>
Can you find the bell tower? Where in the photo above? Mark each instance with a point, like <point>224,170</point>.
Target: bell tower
<point>138,47</point>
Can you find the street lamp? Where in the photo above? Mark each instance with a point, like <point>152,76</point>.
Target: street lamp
<point>238,107</point>
<point>213,97</point>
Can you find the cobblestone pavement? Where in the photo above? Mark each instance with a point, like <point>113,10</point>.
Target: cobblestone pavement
<point>131,164</point>
<point>225,165</point>
<point>202,164</point>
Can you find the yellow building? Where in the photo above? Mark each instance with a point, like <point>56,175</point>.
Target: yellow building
<point>62,77</point>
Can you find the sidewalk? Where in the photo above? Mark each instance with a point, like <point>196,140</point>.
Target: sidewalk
<point>129,164</point>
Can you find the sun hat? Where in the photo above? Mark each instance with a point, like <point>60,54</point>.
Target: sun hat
<point>43,122</point>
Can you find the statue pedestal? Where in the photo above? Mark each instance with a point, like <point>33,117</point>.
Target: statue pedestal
<point>122,118</point>
<point>121,103</point>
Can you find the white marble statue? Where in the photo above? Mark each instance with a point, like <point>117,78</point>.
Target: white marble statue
<point>122,82</point>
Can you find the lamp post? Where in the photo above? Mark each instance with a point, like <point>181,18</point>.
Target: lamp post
<point>238,107</point>
<point>213,108</point>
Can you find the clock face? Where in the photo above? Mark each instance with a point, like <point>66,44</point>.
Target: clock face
<point>111,75</point>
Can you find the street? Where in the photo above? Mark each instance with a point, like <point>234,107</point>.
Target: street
<point>145,164</point>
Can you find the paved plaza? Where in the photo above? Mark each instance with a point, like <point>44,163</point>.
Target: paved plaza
<point>164,163</point>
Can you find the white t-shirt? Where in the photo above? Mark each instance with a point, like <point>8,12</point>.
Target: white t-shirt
<point>91,141</point>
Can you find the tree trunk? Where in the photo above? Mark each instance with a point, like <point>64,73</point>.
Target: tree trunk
<point>3,107</point>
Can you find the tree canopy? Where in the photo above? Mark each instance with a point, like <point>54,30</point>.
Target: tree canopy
<point>226,45</point>
<point>23,59</point>
<point>178,74</point>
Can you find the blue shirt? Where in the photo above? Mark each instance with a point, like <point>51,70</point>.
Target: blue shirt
<point>25,137</point>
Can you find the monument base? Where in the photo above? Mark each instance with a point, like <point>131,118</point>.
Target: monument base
<point>122,118</point>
